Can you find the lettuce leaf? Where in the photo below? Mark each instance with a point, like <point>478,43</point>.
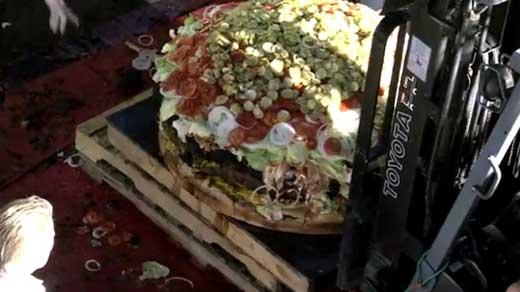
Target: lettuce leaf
<point>336,169</point>
<point>164,68</point>
<point>168,47</point>
<point>187,127</point>
<point>168,108</point>
<point>154,270</point>
<point>259,159</point>
<point>190,27</point>
<point>200,130</point>
<point>297,153</point>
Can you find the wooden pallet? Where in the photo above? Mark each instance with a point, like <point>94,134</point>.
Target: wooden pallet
<point>148,184</point>
<point>203,251</point>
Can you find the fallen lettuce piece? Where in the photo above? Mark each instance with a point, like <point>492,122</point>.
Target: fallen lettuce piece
<point>153,270</point>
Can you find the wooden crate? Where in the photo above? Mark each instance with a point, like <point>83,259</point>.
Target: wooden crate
<point>272,259</point>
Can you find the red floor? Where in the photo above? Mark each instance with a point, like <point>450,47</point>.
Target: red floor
<point>36,122</point>
<point>73,194</point>
<point>39,119</point>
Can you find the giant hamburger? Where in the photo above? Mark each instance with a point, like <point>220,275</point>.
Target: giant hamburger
<point>263,99</point>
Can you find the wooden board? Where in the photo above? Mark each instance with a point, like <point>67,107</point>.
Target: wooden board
<point>300,262</point>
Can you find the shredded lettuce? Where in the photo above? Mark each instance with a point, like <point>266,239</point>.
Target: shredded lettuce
<point>327,205</point>
<point>182,128</point>
<point>239,154</point>
<point>168,47</point>
<point>168,108</point>
<point>297,153</point>
<point>336,169</point>
<point>164,68</point>
<point>185,127</point>
<point>259,159</point>
<point>190,27</point>
<point>200,130</point>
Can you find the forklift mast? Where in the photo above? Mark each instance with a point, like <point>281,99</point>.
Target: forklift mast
<point>435,125</point>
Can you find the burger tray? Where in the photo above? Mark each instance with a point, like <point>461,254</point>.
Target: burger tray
<point>274,260</point>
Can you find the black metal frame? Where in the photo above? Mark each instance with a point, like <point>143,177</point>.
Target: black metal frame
<point>431,102</point>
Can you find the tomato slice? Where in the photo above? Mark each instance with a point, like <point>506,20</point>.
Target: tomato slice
<point>268,7</point>
<point>193,69</point>
<point>173,81</point>
<point>246,120</point>
<point>257,133</point>
<point>351,103</point>
<point>185,41</point>
<point>237,56</point>
<point>332,146</point>
<point>381,91</point>
<point>270,118</point>
<point>206,92</point>
<point>206,61</point>
<point>199,38</point>
<point>189,107</point>
<point>203,67</point>
<point>169,83</point>
<point>187,88</point>
<point>200,66</point>
<point>289,105</point>
<point>311,143</point>
<point>237,136</point>
<point>180,55</point>
<point>299,87</point>
<point>251,131</point>
<point>305,129</point>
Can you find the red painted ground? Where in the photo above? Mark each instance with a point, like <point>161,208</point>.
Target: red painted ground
<point>39,119</point>
<point>73,194</point>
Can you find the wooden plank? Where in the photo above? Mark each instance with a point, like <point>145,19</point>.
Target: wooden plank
<point>153,167</point>
<point>160,196</point>
<point>242,238</point>
<point>171,227</point>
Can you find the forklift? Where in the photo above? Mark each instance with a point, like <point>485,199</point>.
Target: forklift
<point>435,205</point>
